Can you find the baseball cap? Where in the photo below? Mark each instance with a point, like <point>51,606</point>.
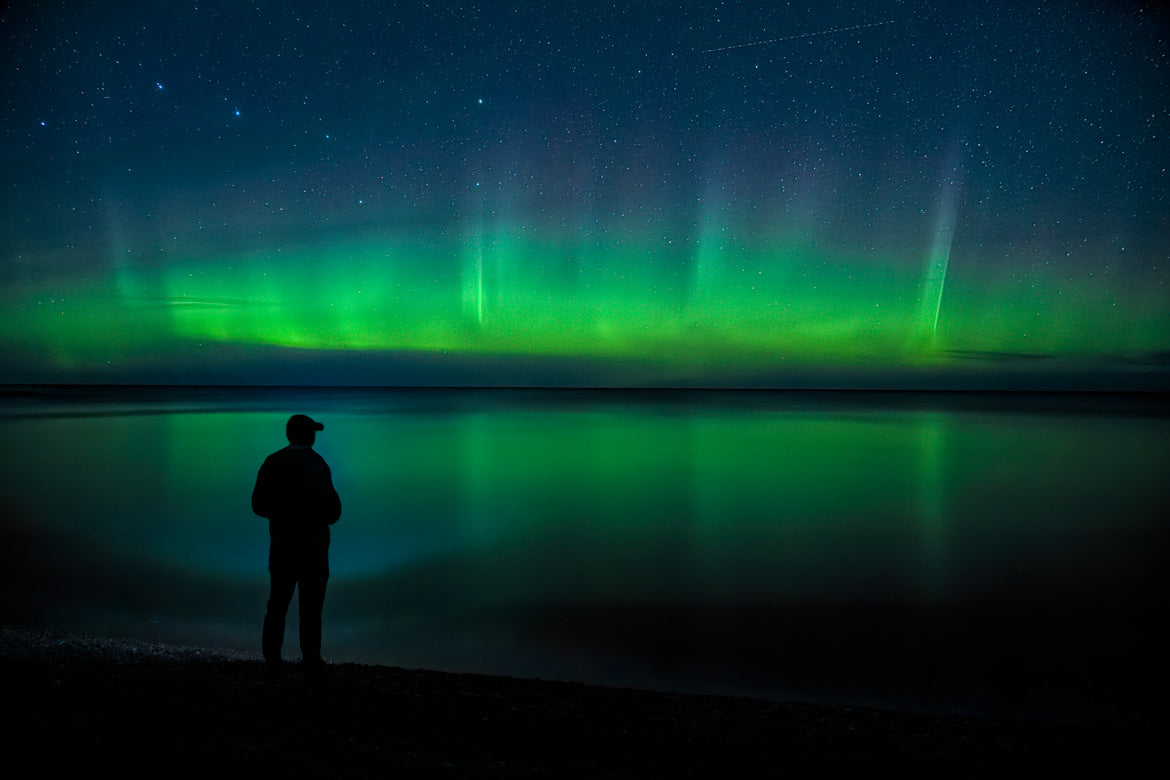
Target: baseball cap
<point>302,422</point>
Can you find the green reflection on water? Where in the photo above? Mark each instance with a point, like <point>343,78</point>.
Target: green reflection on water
<point>613,501</point>
<point>853,552</point>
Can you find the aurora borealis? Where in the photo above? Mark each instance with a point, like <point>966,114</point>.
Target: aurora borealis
<point>584,193</point>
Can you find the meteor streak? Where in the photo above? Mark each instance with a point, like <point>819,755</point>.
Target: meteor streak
<point>833,31</point>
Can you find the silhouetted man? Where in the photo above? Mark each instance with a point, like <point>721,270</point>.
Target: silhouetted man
<point>294,490</point>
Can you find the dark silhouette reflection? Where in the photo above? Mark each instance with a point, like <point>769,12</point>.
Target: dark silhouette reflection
<point>294,490</point>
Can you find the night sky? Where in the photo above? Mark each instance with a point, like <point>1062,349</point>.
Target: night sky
<point>636,193</point>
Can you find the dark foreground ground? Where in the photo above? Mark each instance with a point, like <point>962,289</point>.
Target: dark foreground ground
<point>87,704</point>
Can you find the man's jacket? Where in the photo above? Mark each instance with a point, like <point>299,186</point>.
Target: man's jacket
<point>294,490</point>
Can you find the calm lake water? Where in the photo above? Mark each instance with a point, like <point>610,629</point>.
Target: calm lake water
<point>988,554</point>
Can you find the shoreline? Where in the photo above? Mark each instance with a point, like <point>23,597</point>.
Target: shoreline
<point>85,701</point>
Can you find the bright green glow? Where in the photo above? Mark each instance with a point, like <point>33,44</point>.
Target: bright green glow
<point>717,302</point>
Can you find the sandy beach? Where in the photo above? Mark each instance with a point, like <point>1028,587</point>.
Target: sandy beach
<point>88,703</point>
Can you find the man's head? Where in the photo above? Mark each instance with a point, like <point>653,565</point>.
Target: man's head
<point>301,430</point>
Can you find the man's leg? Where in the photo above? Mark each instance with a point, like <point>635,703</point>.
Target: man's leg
<point>278,600</point>
<point>312,602</point>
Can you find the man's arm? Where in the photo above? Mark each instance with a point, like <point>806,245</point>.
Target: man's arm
<point>262,493</point>
<point>331,502</point>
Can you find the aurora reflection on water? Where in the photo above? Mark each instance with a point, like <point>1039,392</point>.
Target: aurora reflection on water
<point>913,550</point>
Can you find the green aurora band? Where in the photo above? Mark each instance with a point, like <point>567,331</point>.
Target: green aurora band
<point>713,307</point>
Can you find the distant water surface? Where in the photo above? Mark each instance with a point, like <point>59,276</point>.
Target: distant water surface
<point>979,553</point>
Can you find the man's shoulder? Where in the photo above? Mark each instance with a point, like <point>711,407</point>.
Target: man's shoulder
<point>281,456</point>
<point>292,454</point>
<point>316,458</point>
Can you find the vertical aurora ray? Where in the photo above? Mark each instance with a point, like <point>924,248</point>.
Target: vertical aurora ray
<point>472,275</point>
<point>938,260</point>
<point>710,245</point>
<point>473,279</point>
